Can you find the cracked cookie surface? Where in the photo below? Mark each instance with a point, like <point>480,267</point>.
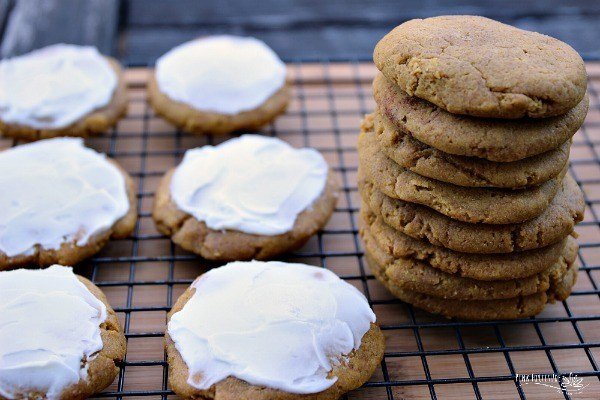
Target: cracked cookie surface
<point>464,171</point>
<point>490,139</point>
<point>476,66</point>
<point>229,245</point>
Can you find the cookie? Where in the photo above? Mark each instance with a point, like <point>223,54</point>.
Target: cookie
<point>484,267</point>
<point>106,344</point>
<point>464,171</point>
<point>474,205</point>
<point>285,196</point>
<point>219,84</point>
<point>481,310</point>
<point>420,222</point>
<point>491,139</point>
<point>419,276</point>
<point>476,66</point>
<point>242,286</point>
<point>90,106</point>
<point>61,204</point>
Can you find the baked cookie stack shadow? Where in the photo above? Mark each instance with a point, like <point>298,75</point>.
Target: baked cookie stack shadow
<point>467,207</point>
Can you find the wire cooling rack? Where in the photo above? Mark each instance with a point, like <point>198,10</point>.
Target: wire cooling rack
<point>427,357</point>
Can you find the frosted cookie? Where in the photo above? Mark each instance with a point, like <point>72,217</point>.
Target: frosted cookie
<point>253,197</point>
<point>219,84</point>
<point>512,308</point>
<point>60,203</point>
<point>464,171</point>
<point>477,66</point>
<point>420,222</point>
<point>271,330</point>
<point>418,276</point>
<point>60,90</point>
<point>491,139</point>
<point>474,205</point>
<point>59,337</point>
<point>484,267</point>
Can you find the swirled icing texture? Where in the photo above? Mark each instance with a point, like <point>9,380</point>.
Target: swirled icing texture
<point>275,324</point>
<point>221,74</point>
<point>53,87</point>
<point>253,184</point>
<point>56,191</point>
<point>49,326</point>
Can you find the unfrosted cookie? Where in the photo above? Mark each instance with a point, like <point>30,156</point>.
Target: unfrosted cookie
<point>256,313</point>
<point>484,267</point>
<point>61,202</point>
<point>464,171</point>
<point>60,337</point>
<point>476,66</point>
<point>219,84</point>
<point>475,205</point>
<point>60,90</point>
<point>491,139</point>
<point>418,276</point>
<point>481,310</point>
<point>420,222</point>
<point>251,197</point>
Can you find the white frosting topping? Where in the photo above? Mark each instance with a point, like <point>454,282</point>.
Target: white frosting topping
<point>55,86</point>
<point>253,184</point>
<point>56,191</point>
<point>222,74</point>
<point>49,326</point>
<point>275,324</point>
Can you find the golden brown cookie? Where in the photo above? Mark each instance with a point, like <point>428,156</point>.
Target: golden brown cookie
<point>491,139</point>
<point>464,171</point>
<point>484,267</point>
<point>205,122</point>
<point>475,205</point>
<point>420,222</point>
<point>350,375</point>
<point>95,123</point>
<point>103,368</point>
<point>71,254</point>
<point>513,308</point>
<point>476,66</point>
<point>229,245</point>
<point>419,276</point>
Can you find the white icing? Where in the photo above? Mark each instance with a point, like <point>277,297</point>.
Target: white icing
<point>275,324</point>
<point>56,191</point>
<point>222,74</point>
<point>253,184</point>
<point>49,324</point>
<point>53,87</point>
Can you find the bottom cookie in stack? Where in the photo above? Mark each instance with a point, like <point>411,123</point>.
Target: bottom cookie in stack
<point>418,273</point>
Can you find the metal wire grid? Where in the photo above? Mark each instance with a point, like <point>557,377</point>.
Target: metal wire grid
<point>426,356</point>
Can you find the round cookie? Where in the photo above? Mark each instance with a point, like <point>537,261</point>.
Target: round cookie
<point>419,276</point>
<point>484,267</point>
<point>464,171</point>
<point>103,368</point>
<point>95,122</point>
<point>481,310</point>
<point>490,139</point>
<point>474,205</point>
<point>420,222</point>
<point>353,371</point>
<point>231,84</point>
<point>252,237</point>
<point>71,250</point>
<point>476,66</point>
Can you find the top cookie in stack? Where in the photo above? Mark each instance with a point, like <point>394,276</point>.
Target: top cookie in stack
<point>467,204</point>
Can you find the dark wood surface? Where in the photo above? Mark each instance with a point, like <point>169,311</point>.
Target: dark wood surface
<point>138,31</point>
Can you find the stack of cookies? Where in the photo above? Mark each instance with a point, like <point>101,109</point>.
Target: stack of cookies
<point>468,208</point>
